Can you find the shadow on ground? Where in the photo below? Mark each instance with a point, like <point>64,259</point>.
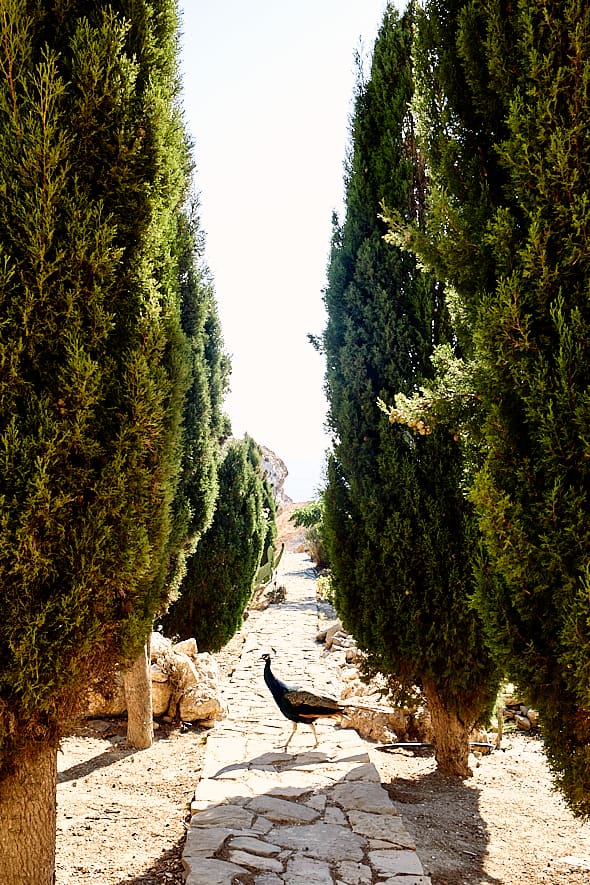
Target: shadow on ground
<point>447,809</point>
<point>166,870</point>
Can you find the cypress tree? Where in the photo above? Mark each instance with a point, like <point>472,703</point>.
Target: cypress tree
<point>400,535</point>
<point>205,426</point>
<point>512,183</point>
<point>93,165</point>
<point>220,574</point>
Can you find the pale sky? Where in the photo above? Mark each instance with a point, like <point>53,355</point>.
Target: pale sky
<point>268,90</point>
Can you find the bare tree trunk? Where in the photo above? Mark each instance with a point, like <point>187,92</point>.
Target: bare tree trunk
<point>450,736</point>
<point>28,819</point>
<point>138,697</point>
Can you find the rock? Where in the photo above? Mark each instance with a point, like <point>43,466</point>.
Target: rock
<point>187,647</point>
<point>522,722</point>
<point>254,846</point>
<point>397,862</point>
<point>193,707</point>
<point>207,871</point>
<point>353,873</point>
<point>352,655</point>
<point>233,816</point>
<point>378,723</point>
<point>327,842</point>
<point>159,645</point>
<point>255,861</point>
<point>157,674</point>
<point>304,871</point>
<point>386,827</point>
<point>201,699</point>
<point>282,810</point>
<point>182,671</point>
<point>276,472</point>
<point>331,632</point>
<point>205,840</point>
<point>359,795</point>
<point>161,690</point>
<point>180,677</point>
<point>328,633</point>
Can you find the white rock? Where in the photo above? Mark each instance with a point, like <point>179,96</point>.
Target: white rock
<point>157,674</point>
<point>255,861</point>
<point>223,816</point>
<point>355,873</point>
<point>186,647</point>
<point>357,795</point>
<point>397,862</point>
<point>204,871</point>
<point>161,693</point>
<point>159,645</point>
<point>205,840</point>
<point>183,673</point>
<point>327,842</point>
<point>254,846</point>
<point>305,871</point>
<point>194,706</point>
<point>282,810</point>
<point>385,827</point>
<point>331,632</point>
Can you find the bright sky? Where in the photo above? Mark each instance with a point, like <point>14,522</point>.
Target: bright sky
<point>268,89</point>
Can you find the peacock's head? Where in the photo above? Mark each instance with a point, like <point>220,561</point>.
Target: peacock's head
<point>267,656</point>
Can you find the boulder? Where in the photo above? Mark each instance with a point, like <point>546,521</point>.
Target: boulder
<point>187,647</point>
<point>159,645</point>
<point>161,691</point>
<point>183,681</point>
<point>325,635</point>
<point>382,723</point>
<point>201,700</point>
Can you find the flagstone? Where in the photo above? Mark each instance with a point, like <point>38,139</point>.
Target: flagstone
<point>328,842</point>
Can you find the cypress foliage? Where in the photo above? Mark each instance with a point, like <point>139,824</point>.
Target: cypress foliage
<point>93,165</point>
<point>204,424</point>
<point>401,537</point>
<point>220,574</point>
<point>512,183</point>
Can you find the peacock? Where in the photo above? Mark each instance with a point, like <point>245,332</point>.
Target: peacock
<point>298,704</point>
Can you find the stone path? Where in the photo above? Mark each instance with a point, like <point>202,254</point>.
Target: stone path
<point>261,816</point>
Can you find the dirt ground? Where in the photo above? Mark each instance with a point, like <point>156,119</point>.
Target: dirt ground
<point>122,814</point>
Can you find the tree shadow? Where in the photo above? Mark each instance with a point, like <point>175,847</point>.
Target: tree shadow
<point>113,754</point>
<point>108,757</point>
<point>447,808</point>
<point>283,761</point>
<point>168,869</point>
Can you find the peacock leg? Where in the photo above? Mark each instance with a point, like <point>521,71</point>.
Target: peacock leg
<point>312,726</point>
<point>292,733</point>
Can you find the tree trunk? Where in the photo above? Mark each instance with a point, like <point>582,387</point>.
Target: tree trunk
<point>28,819</point>
<point>450,736</point>
<point>138,698</point>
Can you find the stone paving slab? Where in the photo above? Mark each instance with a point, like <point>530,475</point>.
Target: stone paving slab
<point>311,816</point>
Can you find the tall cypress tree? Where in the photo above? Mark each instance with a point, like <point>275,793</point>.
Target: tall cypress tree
<point>508,225</point>
<point>400,534</point>
<point>220,574</point>
<point>93,165</point>
<point>205,426</point>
